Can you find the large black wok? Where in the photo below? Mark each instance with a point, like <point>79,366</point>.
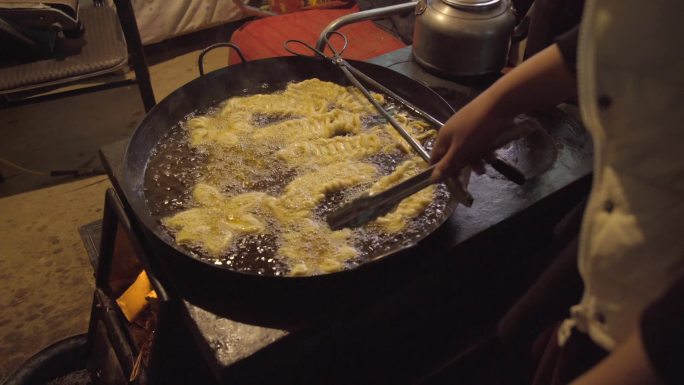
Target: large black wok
<point>238,294</point>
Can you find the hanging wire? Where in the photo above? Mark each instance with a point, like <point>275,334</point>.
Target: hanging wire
<point>81,171</point>
<point>200,59</point>
<point>24,169</point>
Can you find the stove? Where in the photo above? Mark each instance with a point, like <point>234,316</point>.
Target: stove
<point>433,305</point>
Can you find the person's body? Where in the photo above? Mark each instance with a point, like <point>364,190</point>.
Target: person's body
<point>631,248</point>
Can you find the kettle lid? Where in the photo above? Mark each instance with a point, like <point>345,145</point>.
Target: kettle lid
<point>473,4</point>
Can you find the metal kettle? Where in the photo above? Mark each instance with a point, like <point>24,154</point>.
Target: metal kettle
<point>462,38</point>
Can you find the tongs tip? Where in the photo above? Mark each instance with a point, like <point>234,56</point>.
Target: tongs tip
<point>355,213</point>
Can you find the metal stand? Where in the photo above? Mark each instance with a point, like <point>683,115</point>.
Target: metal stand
<point>371,14</point>
<point>114,354</point>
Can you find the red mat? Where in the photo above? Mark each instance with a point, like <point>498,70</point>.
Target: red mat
<point>263,38</point>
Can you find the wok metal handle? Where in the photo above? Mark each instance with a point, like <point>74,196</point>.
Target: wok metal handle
<point>200,59</point>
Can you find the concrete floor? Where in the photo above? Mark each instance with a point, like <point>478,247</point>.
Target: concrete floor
<point>46,281</point>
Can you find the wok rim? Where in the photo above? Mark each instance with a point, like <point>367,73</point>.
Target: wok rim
<point>148,222</point>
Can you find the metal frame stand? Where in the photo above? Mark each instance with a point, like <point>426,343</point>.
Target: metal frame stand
<point>112,353</point>
<point>370,14</point>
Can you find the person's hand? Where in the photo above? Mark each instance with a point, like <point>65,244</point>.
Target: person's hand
<point>465,139</point>
<point>540,82</point>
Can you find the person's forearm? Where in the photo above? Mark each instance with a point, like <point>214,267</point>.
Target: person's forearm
<point>540,82</point>
<point>628,364</point>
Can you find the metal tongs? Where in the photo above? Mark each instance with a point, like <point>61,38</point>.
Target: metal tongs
<point>351,74</point>
<point>366,208</point>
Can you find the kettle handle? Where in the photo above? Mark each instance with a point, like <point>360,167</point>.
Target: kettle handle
<point>421,6</point>
<point>522,29</point>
